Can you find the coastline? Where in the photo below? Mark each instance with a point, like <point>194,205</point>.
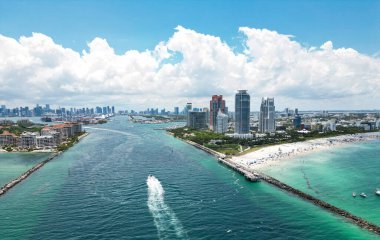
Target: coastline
<point>311,145</point>
<point>272,155</point>
<point>42,150</point>
<point>25,175</point>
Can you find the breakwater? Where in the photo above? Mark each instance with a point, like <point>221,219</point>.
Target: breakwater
<point>331,208</point>
<point>26,174</point>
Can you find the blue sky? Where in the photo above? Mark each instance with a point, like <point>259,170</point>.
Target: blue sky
<point>142,24</point>
<point>168,53</point>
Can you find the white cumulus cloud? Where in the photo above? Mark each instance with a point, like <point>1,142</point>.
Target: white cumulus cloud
<point>189,66</point>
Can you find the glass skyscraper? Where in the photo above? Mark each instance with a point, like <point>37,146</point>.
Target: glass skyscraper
<point>267,115</point>
<point>242,111</point>
<point>217,103</point>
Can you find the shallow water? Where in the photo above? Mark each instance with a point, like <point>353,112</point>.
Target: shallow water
<point>333,175</point>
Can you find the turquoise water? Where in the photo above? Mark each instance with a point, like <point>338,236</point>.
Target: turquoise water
<point>98,190</point>
<point>333,175</point>
<point>13,165</point>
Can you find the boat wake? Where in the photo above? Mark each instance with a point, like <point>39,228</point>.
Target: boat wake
<point>165,220</point>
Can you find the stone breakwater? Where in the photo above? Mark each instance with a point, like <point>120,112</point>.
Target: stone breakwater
<point>244,170</point>
<point>26,174</point>
<point>356,220</point>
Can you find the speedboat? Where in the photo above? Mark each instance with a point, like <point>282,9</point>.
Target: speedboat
<point>354,194</point>
<point>378,191</point>
<point>363,195</point>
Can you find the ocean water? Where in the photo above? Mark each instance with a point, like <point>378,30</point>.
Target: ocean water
<point>100,189</point>
<point>13,165</point>
<point>333,175</point>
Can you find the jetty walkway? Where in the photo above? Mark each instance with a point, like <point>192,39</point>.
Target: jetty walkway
<point>254,175</point>
<point>26,174</point>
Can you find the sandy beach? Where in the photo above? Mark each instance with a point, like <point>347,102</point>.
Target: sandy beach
<point>271,155</point>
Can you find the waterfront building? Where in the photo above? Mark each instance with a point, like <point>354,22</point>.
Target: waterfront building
<point>28,140</point>
<point>217,103</point>
<point>221,122</point>
<point>197,120</point>
<point>46,141</point>
<point>267,115</point>
<point>176,110</point>
<point>8,139</point>
<point>242,112</point>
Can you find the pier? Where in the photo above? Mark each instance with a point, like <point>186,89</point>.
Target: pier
<point>253,175</point>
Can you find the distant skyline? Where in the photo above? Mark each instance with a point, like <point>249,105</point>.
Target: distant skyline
<point>138,54</point>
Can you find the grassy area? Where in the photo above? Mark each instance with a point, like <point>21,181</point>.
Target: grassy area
<point>18,129</point>
<point>69,142</point>
<point>234,146</point>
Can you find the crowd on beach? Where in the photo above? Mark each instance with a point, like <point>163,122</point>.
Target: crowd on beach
<point>267,156</point>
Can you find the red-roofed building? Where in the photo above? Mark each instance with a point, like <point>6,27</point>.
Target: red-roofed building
<point>8,139</point>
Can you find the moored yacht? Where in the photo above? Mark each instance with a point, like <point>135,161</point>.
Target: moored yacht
<point>354,194</point>
<point>363,195</point>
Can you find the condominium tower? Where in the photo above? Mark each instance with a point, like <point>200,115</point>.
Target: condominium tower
<point>267,115</point>
<point>217,103</point>
<point>242,111</point>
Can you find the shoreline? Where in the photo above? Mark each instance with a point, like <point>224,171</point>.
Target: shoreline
<point>271,155</point>
<point>42,150</point>
<point>242,169</point>
<point>25,175</point>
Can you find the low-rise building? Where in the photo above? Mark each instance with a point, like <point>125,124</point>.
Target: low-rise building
<point>28,140</point>
<point>8,139</point>
<point>46,141</point>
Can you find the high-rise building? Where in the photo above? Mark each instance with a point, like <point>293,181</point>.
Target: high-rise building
<point>297,122</point>
<point>242,112</point>
<point>188,107</point>
<point>217,103</point>
<point>196,120</point>
<point>221,122</point>
<point>176,110</point>
<point>267,115</point>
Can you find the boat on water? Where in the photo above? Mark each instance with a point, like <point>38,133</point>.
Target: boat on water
<point>46,119</point>
<point>378,191</point>
<point>354,194</point>
<point>363,195</point>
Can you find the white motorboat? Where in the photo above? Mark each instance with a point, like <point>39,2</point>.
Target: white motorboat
<point>378,191</point>
<point>363,195</point>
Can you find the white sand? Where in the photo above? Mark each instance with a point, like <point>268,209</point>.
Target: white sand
<point>267,156</point>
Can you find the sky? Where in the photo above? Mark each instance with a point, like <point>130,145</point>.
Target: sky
<point>311,55</point>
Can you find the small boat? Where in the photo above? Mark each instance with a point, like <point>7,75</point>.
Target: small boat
<point>354,194</point>
<point>363,195</point>
<point>378,191</point>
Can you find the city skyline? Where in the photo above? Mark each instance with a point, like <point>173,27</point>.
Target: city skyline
<point>191,60</point>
